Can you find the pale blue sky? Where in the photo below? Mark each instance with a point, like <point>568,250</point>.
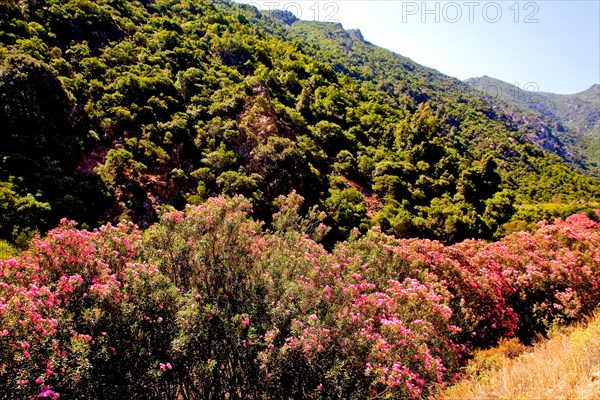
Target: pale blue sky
<point>553,45</point>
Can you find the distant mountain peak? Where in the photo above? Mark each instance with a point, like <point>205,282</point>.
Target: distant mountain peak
<point>593,88</point>
<point>578,113</point>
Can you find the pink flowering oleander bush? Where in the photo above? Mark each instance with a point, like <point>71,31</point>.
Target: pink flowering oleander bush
<point>552,274</point>
<point>210,304</point>
<point>210,252</point>
<point>80,319</point>
<point>480,310</point>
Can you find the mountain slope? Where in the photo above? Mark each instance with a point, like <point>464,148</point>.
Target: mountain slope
<point>573,120</point>
<point>166,102</point>
<point>407,84</point>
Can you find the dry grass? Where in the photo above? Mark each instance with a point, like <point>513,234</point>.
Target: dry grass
<point>567,366</point>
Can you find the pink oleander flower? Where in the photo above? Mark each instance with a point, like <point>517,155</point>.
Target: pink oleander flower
<point>166,366</point>
<point>46,392</point>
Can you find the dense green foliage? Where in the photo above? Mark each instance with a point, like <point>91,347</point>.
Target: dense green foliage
<point>115,108</point>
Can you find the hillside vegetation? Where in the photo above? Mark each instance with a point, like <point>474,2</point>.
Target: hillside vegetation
<point>302,214</point>
<point>208,304</point>
<point>113,109</point>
